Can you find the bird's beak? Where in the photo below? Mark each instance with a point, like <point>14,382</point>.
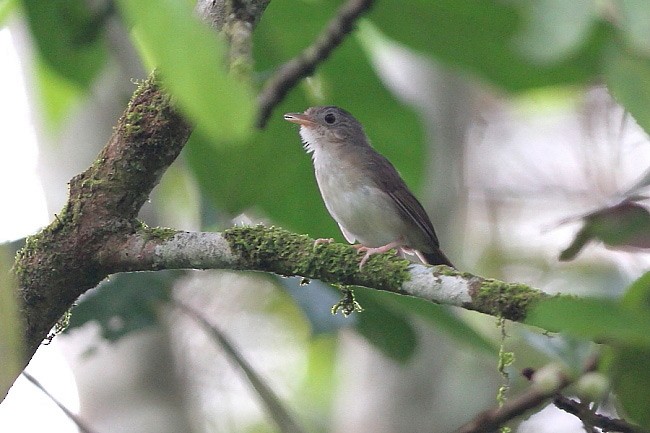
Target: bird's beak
<point>300,118</point>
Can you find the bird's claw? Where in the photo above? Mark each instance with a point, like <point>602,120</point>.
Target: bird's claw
<point>370,251</point>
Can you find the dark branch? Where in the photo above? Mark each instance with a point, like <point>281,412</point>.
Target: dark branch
<point>305,63</point>
<point>591,418</point>
<point>490,420</point>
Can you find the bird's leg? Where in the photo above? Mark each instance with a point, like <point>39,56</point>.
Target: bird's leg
<point>378,250</point>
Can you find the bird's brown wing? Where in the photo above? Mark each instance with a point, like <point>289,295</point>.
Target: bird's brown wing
<point>386,175</point>
<point>408,204</point>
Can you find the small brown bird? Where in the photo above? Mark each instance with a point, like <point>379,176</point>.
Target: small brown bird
<point>362,190</point>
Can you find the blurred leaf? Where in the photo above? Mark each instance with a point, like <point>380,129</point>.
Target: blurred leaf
<point>630,373</point>
<point>11,327</point>
<point>582,238</point>
<point>124,303</point>
<point>12,247</point>
<point>638,294</point>
<point>442,318</point>
<point>316,299</point>
<point>573,352</point>
<point>387,329</point>
<point>320,383</point>
<point>554,29</point>
<point>69,37</point>
<point>57,95</point>
<point>600,320</point>
<point>634,20</point>
<point>628,79</point>
<point>480,36</point>
<point>630,366</point>
<point>177,199</point>
<point>6,8</point>
<point>626,224</point>
<point>191,59</point>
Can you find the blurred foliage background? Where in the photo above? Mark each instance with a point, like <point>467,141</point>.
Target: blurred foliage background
<point>521,125</point>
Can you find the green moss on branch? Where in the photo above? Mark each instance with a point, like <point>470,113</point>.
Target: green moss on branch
<point>276,250</point>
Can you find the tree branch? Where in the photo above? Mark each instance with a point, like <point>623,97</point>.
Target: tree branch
<point>591,418</point>
<point>305,63</point>
<point>272,249</point>
<point>541,391</point>
<point>490,420</point>
<point>60,263</point>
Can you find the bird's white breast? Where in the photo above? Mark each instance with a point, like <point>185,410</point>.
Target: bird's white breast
<point>362,210</point>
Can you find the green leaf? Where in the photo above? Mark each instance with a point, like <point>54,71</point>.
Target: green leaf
<point>554,29</point>
<point>637,295</point>
<point>634,21</point>
<point>69,37</point>
<point>601,320</point>
<point>57,95</point>
<point>630,366</point>
<point>630,372</point>
<point>11,338</point>
<point>442,318</point>
<point>320,384</point>
<point>387,329</point>
<point>191,59</point>
<point>480,37</point>
<point>6,8</point>
<point>622,225</point>
<point>574,353</point>
<point>124,303</point>
<point>628,78</point>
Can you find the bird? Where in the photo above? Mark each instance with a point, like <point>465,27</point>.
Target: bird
<point>362,190</point>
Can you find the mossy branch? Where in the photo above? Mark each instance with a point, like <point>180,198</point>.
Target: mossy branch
<point>60,263</point>
<point>275,250</point>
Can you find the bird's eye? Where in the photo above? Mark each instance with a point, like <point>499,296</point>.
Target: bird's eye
<point>330,118</point>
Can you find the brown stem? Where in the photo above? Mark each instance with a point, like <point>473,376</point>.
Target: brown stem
<point>305,63</point>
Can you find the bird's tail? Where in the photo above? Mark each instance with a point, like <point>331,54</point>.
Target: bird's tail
<point>436,257</point>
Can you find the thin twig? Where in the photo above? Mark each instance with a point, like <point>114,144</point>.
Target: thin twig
<point>594,419</point>
<point>305,63</point>
<point>490,420</point>
<point>75,418</point>
<point>281,416</point>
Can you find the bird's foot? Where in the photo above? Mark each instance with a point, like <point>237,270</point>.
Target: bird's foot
<point>378,250</point>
